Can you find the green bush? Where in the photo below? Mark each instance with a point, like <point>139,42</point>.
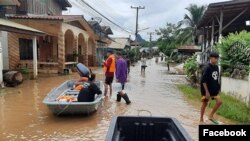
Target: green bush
<point>24,70</point>
<point>226,74</point>
<point>191,67</point>
<point>234,56</point>
<point>134,54</point>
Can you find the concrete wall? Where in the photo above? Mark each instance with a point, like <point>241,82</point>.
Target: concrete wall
<point>237,88</point>
<point>13,46</point>
<point>74,29</point>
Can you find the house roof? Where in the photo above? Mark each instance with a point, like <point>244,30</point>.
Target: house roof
<point>230,10</point>
<point>134,43</point>
<point>10,26</point>
<point>95,26</point>
<point>188,48</point>
<point>107,30</point>
<point>9,2</point>
<point>63,18</point>
<point>119,43</point>
<point>47,17</point>
<point>64,3</point>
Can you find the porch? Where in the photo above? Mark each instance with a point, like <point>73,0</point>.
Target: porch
<point>64,45</point>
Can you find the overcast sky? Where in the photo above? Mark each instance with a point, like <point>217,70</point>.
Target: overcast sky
<point>156,13</point>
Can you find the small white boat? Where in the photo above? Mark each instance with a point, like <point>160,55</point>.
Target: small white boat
<point>71,107</point>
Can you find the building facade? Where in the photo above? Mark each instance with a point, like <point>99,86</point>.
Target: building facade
<point>69,38</point>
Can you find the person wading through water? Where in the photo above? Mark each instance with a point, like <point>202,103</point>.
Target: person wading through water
<point>121,77</point>
<point>109,70</point>
<point>143,64</point>
<point>210,87</point>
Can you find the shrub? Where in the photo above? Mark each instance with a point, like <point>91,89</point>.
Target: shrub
<point>191,67</point>
<point>237,55</point>
<point>24,70</point>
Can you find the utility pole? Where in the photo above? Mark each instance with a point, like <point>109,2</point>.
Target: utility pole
<point>137,13</point>
<point>150,36</point>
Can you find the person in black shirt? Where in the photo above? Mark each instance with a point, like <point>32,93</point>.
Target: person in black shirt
<point>87,93</point>
<point>210,86</point>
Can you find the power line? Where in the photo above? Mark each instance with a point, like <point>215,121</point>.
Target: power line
<point>100,14</point>
<point>109,12</point>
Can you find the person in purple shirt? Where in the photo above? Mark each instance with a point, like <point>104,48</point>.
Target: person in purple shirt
<point>121,77</point>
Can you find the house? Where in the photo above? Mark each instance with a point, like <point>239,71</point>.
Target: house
<point>120,44</point>
<point>103,39</point>
<point>188,50</point>
<point>134,44</point>
<point>219,20</point>
<point>69,38</point>
<point>8,26</point>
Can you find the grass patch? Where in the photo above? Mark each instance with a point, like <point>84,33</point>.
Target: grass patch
<point>231,108</point>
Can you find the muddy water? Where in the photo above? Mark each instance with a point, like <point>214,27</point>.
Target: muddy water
<point>24,117</point>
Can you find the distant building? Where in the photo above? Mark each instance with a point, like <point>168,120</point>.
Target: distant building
<point>135,44</point>
<point>120,44</point>
<point>189,50</point>
<point>103,39</point>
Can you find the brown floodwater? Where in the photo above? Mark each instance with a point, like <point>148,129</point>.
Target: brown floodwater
<point>23,116</point>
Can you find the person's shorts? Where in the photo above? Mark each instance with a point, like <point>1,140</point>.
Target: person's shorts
<point>204,99</point>
<point>109,80</point>
<point>143,67</point>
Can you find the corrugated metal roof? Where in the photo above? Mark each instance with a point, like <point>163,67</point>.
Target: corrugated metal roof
<point>230,10</point>
<point>64,3</point>
<point>45,17</point>
<point>13,25</point>
<point>9,2</point>
<point>119,43</point>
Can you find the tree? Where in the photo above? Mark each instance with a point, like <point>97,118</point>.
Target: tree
<point>174,35</point>
<point>190,21</point>
<point>149,44</point>
<point>168,38</point>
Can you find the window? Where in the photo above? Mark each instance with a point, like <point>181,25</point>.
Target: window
<point>26,49</point>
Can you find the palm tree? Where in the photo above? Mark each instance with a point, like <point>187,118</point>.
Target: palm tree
<point>190,22</point>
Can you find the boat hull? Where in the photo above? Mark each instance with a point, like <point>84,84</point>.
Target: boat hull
<point>70,108</point>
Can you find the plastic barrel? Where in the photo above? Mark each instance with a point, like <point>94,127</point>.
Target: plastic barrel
<point>83,70</point>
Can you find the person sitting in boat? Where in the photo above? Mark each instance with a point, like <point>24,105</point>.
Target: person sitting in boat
<point>87,94</point>
<point>84,76</point>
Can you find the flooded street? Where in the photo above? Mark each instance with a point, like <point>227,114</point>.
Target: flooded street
<point>23,116</point>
